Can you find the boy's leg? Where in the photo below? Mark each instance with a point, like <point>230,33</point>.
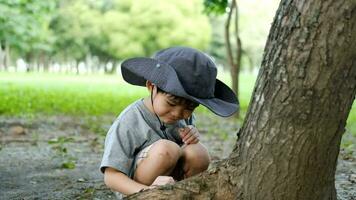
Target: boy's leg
<point>196,159</point>
<point>161,160</point>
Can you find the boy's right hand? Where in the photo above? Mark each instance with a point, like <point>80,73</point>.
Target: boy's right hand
<point>162,180</point>
<point>189,135</point>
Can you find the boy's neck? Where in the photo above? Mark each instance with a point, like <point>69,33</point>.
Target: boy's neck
<point>147,102</point>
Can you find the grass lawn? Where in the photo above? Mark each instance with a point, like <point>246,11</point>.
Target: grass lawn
<point>26,94</point>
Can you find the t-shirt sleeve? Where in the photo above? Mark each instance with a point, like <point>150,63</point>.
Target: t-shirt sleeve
<point>120,145</point>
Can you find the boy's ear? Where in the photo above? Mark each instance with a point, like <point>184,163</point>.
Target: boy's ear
<point>149,85</point>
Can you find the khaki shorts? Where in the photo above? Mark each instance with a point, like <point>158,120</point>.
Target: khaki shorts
<point>142,155</point>
<point>178,172</point>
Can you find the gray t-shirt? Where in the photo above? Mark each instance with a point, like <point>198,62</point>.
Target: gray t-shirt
<point>134,129</point>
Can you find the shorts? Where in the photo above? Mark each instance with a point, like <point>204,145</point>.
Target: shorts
<point>138,159</point>
<point>142,155</point>
<point>178,172</point>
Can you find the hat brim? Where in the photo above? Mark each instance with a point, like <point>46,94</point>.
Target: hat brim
<point>224,103</point>
<point>137,71</point>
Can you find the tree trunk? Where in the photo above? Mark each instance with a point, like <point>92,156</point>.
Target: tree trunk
<point>234,61</point>
<point>305,90</point>
<point>29,61</point>
<point>290,140</point>
<point>7,56</point>
<point>77,62</point>
<point>238,56</point>
<point>44,60</point>
<point>2,55</point>
<point>114,67</point>
<point>250,61</point>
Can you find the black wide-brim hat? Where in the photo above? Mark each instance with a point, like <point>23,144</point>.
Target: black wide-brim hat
<point>183,72</point>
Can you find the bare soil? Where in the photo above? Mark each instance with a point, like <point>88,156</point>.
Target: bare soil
<point>37,153</point>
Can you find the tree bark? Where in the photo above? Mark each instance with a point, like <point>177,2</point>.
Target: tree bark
<point>290,140</point>
<point>305,90</point>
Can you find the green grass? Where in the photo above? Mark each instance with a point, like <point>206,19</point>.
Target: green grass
<point>26,94</point>
<point>351,120</point>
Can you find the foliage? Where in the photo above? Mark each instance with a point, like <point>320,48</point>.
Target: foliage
<point>65,31</point>
<point>137,28</point>
<point>24,25</point>
<point>215,6</point>
<point>255,18</point>
<point>71,30</point>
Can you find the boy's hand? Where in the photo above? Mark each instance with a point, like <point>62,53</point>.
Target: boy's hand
<point>189,134</point>
<point>162,180</point>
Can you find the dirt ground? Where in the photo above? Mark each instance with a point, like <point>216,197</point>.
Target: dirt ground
<point>37,156</point>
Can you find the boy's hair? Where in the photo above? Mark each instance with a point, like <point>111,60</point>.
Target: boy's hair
<point>179,100</point>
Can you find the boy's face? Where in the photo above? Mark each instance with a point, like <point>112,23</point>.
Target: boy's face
<point>170,109</point>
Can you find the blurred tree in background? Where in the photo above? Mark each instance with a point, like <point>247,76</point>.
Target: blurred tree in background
<point>255,18</point>
<point>69,35</point>
<point>234,52</point>
<point>230,50</point>
<point>24,30</point>
<point>71,32</point>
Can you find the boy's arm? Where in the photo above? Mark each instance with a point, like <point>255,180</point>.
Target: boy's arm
<point>118,181</point>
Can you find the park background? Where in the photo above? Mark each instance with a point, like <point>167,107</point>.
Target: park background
<point>60,66</point>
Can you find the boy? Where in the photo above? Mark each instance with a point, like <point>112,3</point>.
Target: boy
<point>154,141</point>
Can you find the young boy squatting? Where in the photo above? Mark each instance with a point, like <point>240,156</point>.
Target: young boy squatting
<point>154,140</point>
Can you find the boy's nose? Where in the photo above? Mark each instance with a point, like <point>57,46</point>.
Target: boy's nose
<point>178,113</point>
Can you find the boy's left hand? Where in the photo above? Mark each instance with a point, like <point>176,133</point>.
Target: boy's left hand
<point>189,134</point>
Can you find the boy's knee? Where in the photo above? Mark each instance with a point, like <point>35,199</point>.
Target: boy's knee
<point>196,158</point>
<point>166,152</point>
